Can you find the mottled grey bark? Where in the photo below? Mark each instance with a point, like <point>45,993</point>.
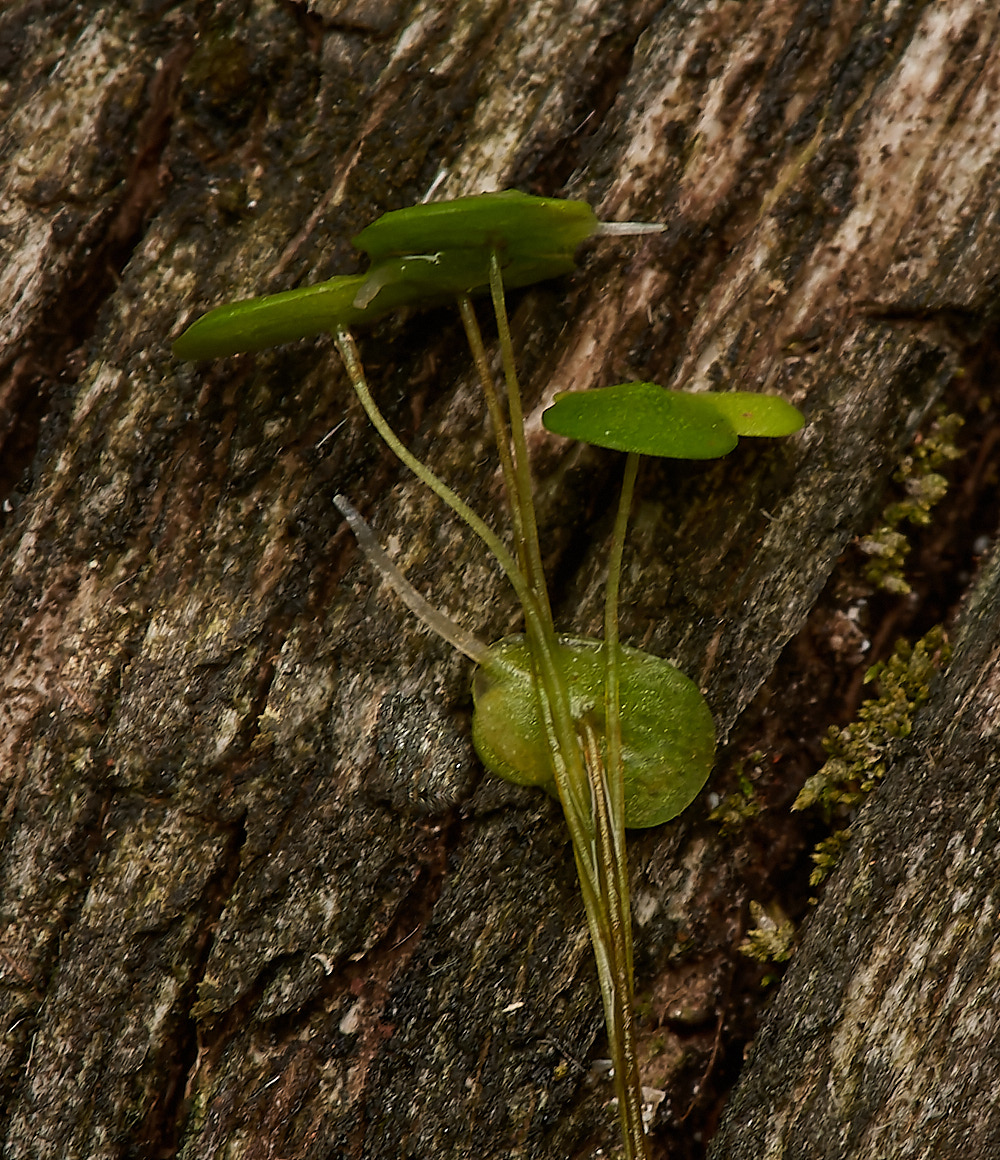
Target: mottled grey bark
<point>258,899</point>
<point>884,1038</point>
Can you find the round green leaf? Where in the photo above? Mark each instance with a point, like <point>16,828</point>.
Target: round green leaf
<point>751,413</point>
<point>645,418</point>
<point>668,735</point>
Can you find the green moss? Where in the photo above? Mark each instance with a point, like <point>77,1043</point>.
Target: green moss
<point>858,754</point>
<point>772,937</point>
<point>923,487</point>
<point>740,804</point>
<point>827,855</point>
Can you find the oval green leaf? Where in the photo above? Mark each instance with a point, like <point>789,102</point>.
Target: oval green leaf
<point>644,418</point>
<point>668,735</point>
<point>420,256</point>
<point>751,413</point>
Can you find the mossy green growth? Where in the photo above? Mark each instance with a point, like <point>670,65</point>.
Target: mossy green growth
<point>772,937</point>
<point>924,486</point>
<point>740,805</point>
<point>827,855</point>
<point>858,753</point>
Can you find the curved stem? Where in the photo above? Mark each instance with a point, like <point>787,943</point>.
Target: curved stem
<point>418,604</point>
<point>352,363</point>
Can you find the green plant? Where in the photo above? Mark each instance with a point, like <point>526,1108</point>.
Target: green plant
<point>419,256</point>
<point>857,754</point>
<point>771,939</point>
<point>620,737</point>
<point>887,546</point>
<point>741,804</point>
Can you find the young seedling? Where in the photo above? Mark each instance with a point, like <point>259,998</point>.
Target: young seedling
<point>620,737</point>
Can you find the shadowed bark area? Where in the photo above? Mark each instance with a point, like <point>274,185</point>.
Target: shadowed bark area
<point>883,1039</point>
<point>257,898</point>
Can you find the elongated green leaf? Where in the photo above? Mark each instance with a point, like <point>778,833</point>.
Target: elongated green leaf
<point>425,279</point>
<point>517,225</point>
<point>415,280</point>
<point>645,418</point>
<point>751,413</point>
<point>668,736</point>
<point>257,323</point>
<point>420,257</point>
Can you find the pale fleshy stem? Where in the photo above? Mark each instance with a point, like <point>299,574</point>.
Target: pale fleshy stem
<point>627,229</point>
<point>419,605</point>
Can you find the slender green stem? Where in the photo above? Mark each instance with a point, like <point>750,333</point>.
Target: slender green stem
<point>610,929</point>
<point>550,683</point>
<point>612,672</point>
<point>352,362</point>
<point>533,568</point>
<point>554,708</point>
<point>613,848</point>
<point>553,704</point>
<point>593,799</point>
<point>475,339</point>
<point>553,697</point>
<point>592,794</point>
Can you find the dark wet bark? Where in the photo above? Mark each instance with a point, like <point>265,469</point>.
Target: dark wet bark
<point>258,898</point>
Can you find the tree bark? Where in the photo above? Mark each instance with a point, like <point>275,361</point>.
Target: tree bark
<point>883,1038</point>
<point>258,898</point>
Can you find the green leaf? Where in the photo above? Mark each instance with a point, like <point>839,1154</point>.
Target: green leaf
<point>515,224</point>
<point>652,420</point>
<point>421,256</point>
<point>645,418</point>
<point>426,279</point>
<point>751,413</point>
<point>668,736</point>
<point>257,323</point>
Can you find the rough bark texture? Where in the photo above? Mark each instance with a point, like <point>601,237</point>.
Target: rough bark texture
<point>258,899</point>
<point>883,1039</point>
